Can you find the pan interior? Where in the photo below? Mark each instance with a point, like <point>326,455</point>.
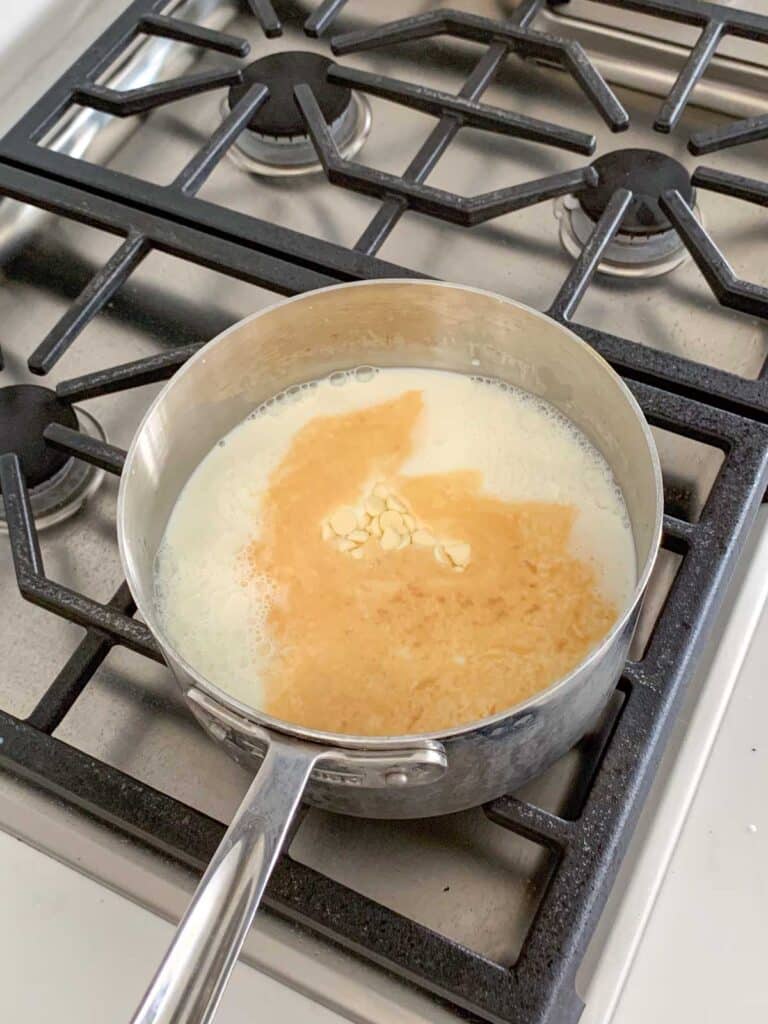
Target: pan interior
<point>383,324</point>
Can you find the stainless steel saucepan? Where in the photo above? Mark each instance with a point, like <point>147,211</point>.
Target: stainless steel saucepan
<point>381,323</point>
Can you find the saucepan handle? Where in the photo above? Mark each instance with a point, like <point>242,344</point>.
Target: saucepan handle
<point>191,979</point>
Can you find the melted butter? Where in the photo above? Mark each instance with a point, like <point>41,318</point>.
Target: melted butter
<point>394,642</point>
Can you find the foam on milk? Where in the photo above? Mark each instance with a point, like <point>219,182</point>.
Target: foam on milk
<point>525,449</point>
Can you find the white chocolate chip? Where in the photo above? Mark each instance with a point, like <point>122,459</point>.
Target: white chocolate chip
<point>385,517</point>
<point>459,554</point>
<point>343,520</point>
<point>374,505</point>
<point>423,538</point>
<point>389,540</point>
<point>440,555</point>
<point>391,520</point>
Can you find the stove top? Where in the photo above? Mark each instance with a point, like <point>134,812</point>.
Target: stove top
<point>203,158</point>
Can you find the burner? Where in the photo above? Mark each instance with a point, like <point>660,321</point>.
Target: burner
<point>648,175</point>
<point>276,141</point>
<point>25,411</point>
<point>58,484</point>
<point>280,72</point>
<point>646,244</point>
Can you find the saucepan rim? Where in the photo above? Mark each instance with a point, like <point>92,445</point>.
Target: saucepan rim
<point>330,739</point>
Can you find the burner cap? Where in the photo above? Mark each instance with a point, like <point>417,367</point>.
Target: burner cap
<point>25,411</point>
<point>648,174</point>
<point>280,72</point>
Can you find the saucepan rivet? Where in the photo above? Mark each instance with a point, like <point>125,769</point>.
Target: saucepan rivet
<point>396,777</point>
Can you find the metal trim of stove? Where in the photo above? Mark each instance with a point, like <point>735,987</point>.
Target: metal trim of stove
<point>627,47</point>
<point>714,22</point>
<point>587,839</point>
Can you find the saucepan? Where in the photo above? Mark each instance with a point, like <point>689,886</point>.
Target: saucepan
<point>381,323</point>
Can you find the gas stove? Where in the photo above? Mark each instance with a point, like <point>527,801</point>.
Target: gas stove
<point>203,158</point>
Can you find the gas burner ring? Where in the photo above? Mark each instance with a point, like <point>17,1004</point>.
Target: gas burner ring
<point>646,244</point>
<point>275,141</point>
<point>626,255</point>
<point>272,156</point>
<point>61,495</point>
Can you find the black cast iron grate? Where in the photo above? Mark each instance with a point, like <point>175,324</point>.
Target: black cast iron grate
<point>588,840</point>
<point>171,218</point>
<point>716,21</point>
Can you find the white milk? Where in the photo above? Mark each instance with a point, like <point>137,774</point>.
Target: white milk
<point>525,449</point>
